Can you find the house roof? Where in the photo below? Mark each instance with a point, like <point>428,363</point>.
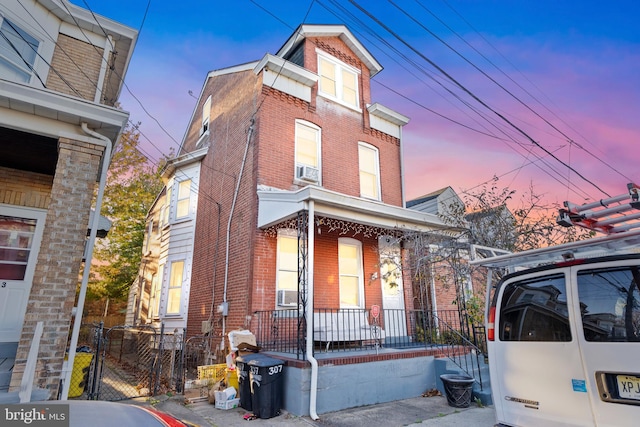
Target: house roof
<point>313,30</point>
<point>276,206</point>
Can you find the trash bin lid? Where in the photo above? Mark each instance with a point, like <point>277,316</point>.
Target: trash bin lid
<point>265,362</point>
<point>246,358</point>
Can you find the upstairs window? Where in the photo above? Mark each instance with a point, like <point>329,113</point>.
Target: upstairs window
<point>307,151</point>
<point>338,81</point>
<point>206,116</point>
<point>184,199</point>
<point>350,272</point>
<point>17,52</point>
<point>369,171</point>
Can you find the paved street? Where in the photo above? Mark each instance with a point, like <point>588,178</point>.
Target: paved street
<point>419,411</point>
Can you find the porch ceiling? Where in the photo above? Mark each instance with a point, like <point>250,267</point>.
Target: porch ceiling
<point>276,206</point>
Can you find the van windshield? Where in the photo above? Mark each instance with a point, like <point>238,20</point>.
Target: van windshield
<point>610,304</point>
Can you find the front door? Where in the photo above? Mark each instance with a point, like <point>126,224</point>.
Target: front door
<point>395,323</point>
<point>20,237</point>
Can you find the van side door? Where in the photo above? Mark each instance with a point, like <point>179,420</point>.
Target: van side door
<point>608,329</point>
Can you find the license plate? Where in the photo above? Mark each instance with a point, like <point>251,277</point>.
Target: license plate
<point>628,387</point>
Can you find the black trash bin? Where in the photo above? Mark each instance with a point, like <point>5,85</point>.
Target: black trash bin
<point>266,375</point>
<point>458,389</point>
<point>244,385</point>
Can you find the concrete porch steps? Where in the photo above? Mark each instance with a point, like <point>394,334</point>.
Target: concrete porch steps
<point>447,366</point>
<point>8,352</point>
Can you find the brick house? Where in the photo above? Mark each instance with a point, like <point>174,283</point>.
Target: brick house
<point>283,214</point>
<point>61,71</point>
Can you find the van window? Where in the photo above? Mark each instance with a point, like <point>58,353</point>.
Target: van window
<point>610,304</point>
<point>535,310</point>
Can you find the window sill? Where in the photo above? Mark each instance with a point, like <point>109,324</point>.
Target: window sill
<point>340,102</point>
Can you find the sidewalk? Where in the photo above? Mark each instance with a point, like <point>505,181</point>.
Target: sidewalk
<point>415,412</point>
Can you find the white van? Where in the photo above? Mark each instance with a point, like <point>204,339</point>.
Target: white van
<point>564,338</point>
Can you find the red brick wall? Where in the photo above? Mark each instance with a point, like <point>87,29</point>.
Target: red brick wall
<point>252,257</point>
<point>234,100</point>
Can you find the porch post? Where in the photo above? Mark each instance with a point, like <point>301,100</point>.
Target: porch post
<point>311,237</point>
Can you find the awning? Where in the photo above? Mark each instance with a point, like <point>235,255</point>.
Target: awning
<point>276,206</point>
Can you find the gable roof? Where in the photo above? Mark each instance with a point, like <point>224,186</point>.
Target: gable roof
<point>313,30</point>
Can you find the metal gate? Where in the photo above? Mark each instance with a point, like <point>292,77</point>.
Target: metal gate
<point>127,362</point>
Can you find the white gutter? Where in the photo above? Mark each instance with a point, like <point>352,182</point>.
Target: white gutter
<point>226,256</point>
<point>311,232</point>
<point>77,320</point>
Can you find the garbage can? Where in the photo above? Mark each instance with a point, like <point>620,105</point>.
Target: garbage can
<point>458,389</point>
<point>266,375</point>
<point>80,371</point>
<point>244,385</point>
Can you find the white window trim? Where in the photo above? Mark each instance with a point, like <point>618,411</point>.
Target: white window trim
<point>318,150</point>
<point>287,233</point>
<point>358,244</point>
<point>168,287</point>
<point>377,166</point>
<point>339,66</point>
<point>155,294</point>
<point>206,116</point>
<point>34,67</point>
<point>189,198</point>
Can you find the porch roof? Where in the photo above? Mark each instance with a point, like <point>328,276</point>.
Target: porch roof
<point>276,206</point>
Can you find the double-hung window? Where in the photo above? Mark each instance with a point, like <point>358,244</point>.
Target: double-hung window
<point>307,151</point>
<point>351,281</point>
<point>338,81</point>
<point>18,52</point>
<point>206,116</point>
<point>174,294</point>
<point>184,199</point>
<point>369,171</point>
<point>287,269</point>
<point>154,294</point>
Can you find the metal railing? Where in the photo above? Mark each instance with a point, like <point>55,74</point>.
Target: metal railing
<point>345,330</point>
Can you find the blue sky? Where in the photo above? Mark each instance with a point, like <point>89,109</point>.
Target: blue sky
<point>564,74</point>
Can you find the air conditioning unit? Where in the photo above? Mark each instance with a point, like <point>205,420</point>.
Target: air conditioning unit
<point>288,298</point>
<point>308,173</point>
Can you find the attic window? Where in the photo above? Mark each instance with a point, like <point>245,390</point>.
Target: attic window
<point>206,116</point>
<point>17,52</point>
<point>338,81</point>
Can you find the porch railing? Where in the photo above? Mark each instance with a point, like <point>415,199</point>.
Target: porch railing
<point>336,330</point>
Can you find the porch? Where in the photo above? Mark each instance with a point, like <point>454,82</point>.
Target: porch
<point>365,359</point>
<point>361,330</point>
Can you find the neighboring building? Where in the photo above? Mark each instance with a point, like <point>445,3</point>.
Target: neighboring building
<point>61,72</point>
<point>285,206</point>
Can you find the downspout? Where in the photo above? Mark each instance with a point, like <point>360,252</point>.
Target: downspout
<point>226,257</point>
<point>77,319</point>
<point>402,169</point>
<point>311,237</point>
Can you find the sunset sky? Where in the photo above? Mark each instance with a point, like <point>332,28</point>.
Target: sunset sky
<point>535,92</point>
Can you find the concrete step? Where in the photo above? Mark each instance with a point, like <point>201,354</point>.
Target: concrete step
<point>481,394</point>
<point>8,350</point>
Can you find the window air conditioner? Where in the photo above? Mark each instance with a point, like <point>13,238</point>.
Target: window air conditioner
<point>288,298</point>
<point>308,173</point>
